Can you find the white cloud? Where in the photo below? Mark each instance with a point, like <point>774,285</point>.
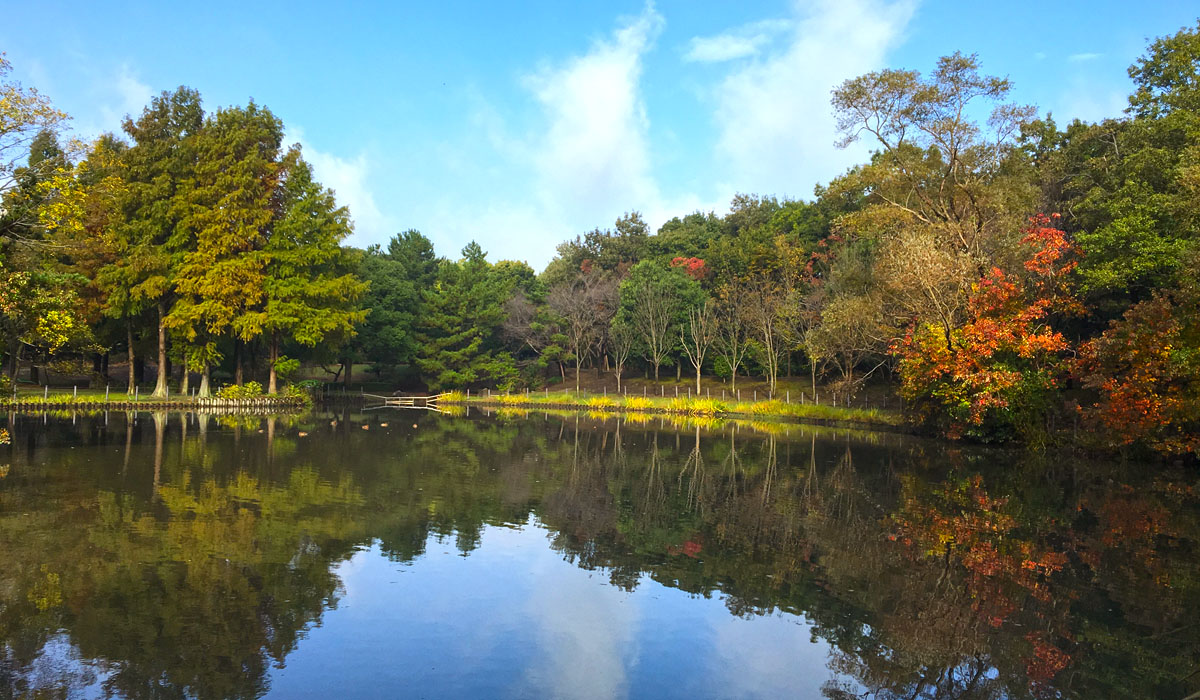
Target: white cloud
<point>115,96</point>
<point>724,47</point>
<point>1081,57</point>
<point>350,180</point>
<point>1083,101</point>
<point>777,131</point>
<point>745,41</point>
<point>582,160</point>
<point>594,152</point>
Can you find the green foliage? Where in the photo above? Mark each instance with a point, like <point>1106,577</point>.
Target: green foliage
<point>249,390</point>
<point>459,331</point>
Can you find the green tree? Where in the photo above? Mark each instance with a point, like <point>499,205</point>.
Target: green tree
<point>654,303</point>
<point>311,293</point>
<point>459,333</point>
<point>220,274</point>
<point>149,236</point>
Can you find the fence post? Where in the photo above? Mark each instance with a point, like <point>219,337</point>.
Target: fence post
<point>756,394</point>
<point>75,392</point>
<point>46,393</point>
<point>106,393</point>
<point>787,396</point>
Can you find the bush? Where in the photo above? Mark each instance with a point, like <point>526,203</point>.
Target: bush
<point>249,390</point>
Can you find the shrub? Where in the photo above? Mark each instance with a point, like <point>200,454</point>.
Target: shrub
<point>249,390</point>
<point>600,402</point>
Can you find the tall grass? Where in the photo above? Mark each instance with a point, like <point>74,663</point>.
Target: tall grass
<point>689,406</point>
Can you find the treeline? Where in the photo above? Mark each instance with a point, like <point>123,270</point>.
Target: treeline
<point>1012,278</point>
<point>192,239</point>
<point>1016,279</point>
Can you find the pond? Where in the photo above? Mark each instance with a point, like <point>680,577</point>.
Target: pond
<point>409,553</point>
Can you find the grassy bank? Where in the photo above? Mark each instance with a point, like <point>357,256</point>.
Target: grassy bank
<point>683,406</point>
<point>93,399</point>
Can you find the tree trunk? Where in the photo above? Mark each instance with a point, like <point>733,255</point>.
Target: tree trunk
<point>104,366</point>
<point>678,370</point>
<point>273,357</point>
<point>617,371</point>
<point>733,378</point>
<point>204,386</point>
<point>14,362</point>
<point>184,387</point>
<point>160,385</point>
<point>697,381</point>
<point>349,371</point>
<point>237,361</point>
<point>97,364</point>
<point>576,373</point>
<point>656,365</point>
<point>131,382</point>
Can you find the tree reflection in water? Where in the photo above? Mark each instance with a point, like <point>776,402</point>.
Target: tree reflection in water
<point>156,567</point>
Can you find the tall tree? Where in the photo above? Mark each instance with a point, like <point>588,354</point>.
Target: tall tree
<point>311,293</point>
<point>219,276</point>
<point>158,167</point>
<point>459,333</point>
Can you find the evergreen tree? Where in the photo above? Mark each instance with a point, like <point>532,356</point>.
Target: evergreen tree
<point>459,336</point>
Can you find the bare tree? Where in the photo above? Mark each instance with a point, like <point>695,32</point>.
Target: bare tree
<point>698,335</point>
<point>526,325</point>
<point>585,303</point>
<point>766,300</point>
<point>620,343</point>
<point>732,332</point>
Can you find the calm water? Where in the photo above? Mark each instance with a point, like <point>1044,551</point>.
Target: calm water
<point>560,556</point>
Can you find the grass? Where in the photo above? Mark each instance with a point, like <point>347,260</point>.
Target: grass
<point>687,406</point>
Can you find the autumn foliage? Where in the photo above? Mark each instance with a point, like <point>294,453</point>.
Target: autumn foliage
<point>1146,368</point>
<point>694,267</point>
<point>994,376</point>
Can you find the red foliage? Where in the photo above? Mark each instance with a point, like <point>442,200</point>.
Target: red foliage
<point>694,267</point>
<point>1005,353</point>
<point>1146,367</point>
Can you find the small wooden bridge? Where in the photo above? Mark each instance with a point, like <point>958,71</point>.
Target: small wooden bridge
<point>429,403</point>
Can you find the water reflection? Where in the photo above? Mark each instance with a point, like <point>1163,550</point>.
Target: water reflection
<point>526,556</point>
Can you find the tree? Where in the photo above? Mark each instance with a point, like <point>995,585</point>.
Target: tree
<point>220,273</point>
<point>586,304</point>
<point>654,303</point>
<point>621,343</point>
<point>698,335</point>
<point>994,380</point>
<point>28,122</point>
<point>1145,369</point>
<point>936,165</point>
<point>459,334</point>
<point>149,235</point>
<point>1127,187</point>
<point>311,293</point>
<point>732,331</point>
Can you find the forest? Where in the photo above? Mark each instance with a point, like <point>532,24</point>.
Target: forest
<point>1004,275</point>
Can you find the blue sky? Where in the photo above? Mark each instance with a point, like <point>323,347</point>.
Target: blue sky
<point>522,124</point>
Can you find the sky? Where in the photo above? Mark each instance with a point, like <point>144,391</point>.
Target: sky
<point>521,125</point>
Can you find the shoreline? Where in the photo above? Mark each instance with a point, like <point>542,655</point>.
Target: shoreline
<point>814,414</point>
<point>188,404</point>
